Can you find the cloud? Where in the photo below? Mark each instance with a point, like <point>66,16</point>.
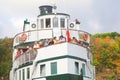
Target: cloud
<point>29,8</point>
<point>17,22</point>
<point>0,23</point>
<point>94,26</point>
<point>107,13</point>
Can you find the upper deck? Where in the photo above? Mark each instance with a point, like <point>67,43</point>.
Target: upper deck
<point>50,24</point>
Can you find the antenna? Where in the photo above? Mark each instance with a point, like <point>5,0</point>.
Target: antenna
<point>54,8</point>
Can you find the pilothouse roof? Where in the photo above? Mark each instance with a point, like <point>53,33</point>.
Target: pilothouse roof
<point>49,10</point>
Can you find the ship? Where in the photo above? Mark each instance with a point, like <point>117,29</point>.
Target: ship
<point>52,48</point>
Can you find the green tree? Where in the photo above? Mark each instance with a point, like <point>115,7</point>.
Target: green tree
<point>5,57</point>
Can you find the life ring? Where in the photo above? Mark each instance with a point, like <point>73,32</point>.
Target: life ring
<point>71,25</point>
<point>33,25</point>
<point>23,37</point>
<point>85,36</point>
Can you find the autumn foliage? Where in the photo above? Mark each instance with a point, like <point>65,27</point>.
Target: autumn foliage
<point>106,51</point>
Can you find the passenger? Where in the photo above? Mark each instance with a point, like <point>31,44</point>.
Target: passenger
<point>36,45</point>
<point>85,44</point>
<point>24,49</point>
<point>21,50</point>
<point>29,48</point>
<point>46,42</point>
<point>62,39</point>
<point>80,42</point>
<point>55,40</point>
<point>51,41</point>
<point>40,44</point>
<point>74,40</point>
<point>18,53</point>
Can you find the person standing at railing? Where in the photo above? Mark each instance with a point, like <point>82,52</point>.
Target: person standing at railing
<point>36,45</point>
<point>46,42</point>
<point>41,44</point>
<point>74,40</point>
<point>62,39</point>
<point>55,40</point>
<point>51,41</point>
<point>29,52</point>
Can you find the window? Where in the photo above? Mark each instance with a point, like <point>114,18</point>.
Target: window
<point>67,22</point>
<point>54,68</point>
<point>62,23</point>
<point>16,75</point>
<point>42,70</point>
<point>48,25</point>
<point>76,67</point>
<point>28,73</point>
<point>42,23</point>
<point>23,74</point>
<point>55,22</point>
<point>20,75</point>
<point>83,69</point>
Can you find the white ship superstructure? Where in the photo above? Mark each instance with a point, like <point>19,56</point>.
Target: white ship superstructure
<point>52,48</point>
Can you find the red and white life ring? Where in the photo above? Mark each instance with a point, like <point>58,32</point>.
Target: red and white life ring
<point>85,36</point>
<point>23,37</point>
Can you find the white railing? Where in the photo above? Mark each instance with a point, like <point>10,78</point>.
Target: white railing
<point>26,57</point>
<point>33,35</point>
<point>36,35</point>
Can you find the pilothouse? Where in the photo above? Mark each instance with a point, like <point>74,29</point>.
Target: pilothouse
<point>52,48</point>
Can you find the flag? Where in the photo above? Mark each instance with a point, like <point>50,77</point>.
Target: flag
<point>26,22</point>
<point>76,21</point>
<point>68,35</point>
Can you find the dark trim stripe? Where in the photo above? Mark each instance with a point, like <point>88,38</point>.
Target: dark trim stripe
<point>54,14</point>
<point>24,65</point>
<point>63,76</point>
<point>61,57</point>
<point>87,77</point>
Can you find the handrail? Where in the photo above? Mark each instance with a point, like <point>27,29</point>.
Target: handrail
<point>49,29</point>
<point>38,34</point>
<point>26,57</point>
<point>31,31</point>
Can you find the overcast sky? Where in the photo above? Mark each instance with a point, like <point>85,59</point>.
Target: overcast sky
<point>96,16</point>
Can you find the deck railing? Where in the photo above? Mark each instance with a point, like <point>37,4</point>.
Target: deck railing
<point>26,57</point>
<point>36,35</point>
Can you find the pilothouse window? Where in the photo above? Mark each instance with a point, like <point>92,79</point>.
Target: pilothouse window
<point>48,25</point>
<point>42,23</point>
<point>55,22</point>
<point>62,23</point>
